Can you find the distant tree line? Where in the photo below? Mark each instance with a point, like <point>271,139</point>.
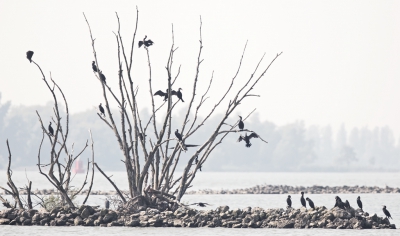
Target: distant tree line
<point>292,147</point>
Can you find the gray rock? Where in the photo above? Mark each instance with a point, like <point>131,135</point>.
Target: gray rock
<point>85,213</point>
<point>109,217</point>
<point>27,222</point>
<point>132,223</point>
<point>61,222</point>
<point>286,224</point>
<point>178,223</point>
<point>78,221</point>
<point>4,221</point>
<point>143,223</point>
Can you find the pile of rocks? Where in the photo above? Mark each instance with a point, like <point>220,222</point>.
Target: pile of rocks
<point>284,189</point>
<point>321,217</point>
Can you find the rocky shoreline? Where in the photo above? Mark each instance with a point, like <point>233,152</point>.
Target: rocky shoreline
<point>223,216</point>
<point>258,189</point>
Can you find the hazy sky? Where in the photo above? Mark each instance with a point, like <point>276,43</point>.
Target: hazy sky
<point>340,61</point>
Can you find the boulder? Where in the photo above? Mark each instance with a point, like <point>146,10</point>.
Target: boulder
<point>4,221</point>
<point>132,223</point>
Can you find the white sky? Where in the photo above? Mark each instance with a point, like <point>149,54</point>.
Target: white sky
<point>340,61</point>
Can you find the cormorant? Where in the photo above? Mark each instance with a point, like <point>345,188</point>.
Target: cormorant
<point>141,136</point>
<point>196,161</point>
<point>107,204</point>
<point>94,67</point>
<point>200,167</point>
<point>51,131</point>
<point>289,201</point>
<point>200,204</point>
<point>29,55</point>
<point>247,138</point>
<point>101,110</point>
<point>178,94</point>
<point>339,203</point>
<point>359,202</point>
<point>302,200</point>
<point>387,213</point>
<point>347,204</point>
<point>311,203</point>
<point>162,94</point>
<point>102,77</point>
<point>147,43</point>
<point>241,124</point>
<point>178,135</point>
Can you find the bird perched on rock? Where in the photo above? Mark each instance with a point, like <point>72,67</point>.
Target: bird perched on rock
<point>387,214</point>
<point>247,138</point>
<point>29,55</point>
<point>359,202</point>
<point>51,131</point>
<point>94,67</point>
<point>101,110</point>
<point>147,43</point>
<point>241,124</point>
<point>178,94</point>
<point>289,201</point>
<point>162,94</point>
<point>339,203</point>
<point>347,204</point>
<point>311,203</point>
<point>302,200</point>
<point>106,204</point>
<point>200,204</point>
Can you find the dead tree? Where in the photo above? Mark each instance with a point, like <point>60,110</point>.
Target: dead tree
<point>154,175</point>
<point>61,157</point>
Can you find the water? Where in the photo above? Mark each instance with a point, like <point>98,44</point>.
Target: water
<point>372,202</point>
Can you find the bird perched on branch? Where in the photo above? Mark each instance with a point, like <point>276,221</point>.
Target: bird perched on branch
<point>142,136</point>
<point>387,213</point>
<point>247,138</point>
<point>311,203</point>
<point>289,201</point>
<point>147,43</point>
<point>102,77</point>
<point>162,94</point>
<point>200,204</point>
<point>94,67</point>
<point>302,200</point>
<point>178,94</point>
<point>29,55</point>
<point>51,131</point>
<point>101,110</point>
<point>241,124</point>
<point>359,202</point>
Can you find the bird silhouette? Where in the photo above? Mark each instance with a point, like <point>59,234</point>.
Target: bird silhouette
<point>289,201</point>
<point>200,204</point>
<point>102,77</point>
<point>310,202</point>
<point>178,135</point>
<point>51,131</point>
<point>146,43</point>
<point>94,67</point>
<point>247,138</point>
<point>359,202</point>
<point>101,110</point>
<point>178,94</point>
<point>302,200</point>
<point>387,213</point>
<point>241,124</point>
<point>162,94</point>
<point>29,55</point>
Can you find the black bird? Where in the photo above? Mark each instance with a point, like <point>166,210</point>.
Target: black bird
<point>141,136</point>
<point>196,161</point>
<point>247,138</point>
<point>200,167</point>
<point>101,110</point>
<point>147,43</point>
<point>359,202</point>
<point>339,203</point>
<point>200,204</point>
<point>94,67</point>
<point>51,131</point>
<point>311,203</point>
<point>178,94</point>
<point>241,124</point>
<point>387,213</point>
<point>102,77</point>
<point>107,204</point>
<point>289,201</point>
<point>347,204</point>
<point>302,200</point>
<point>178,135</point>
<point>162,94</point>
<point>29,55</point>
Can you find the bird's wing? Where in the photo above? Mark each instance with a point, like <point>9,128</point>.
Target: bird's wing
<point>140,43</point>
<point>253,135</point>
<point>173,92</point>
<point>240,138</point>
<point>159,93</point>
<point>191,145</point>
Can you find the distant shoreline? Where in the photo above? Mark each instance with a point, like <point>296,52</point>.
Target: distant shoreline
<point>258,189</point>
